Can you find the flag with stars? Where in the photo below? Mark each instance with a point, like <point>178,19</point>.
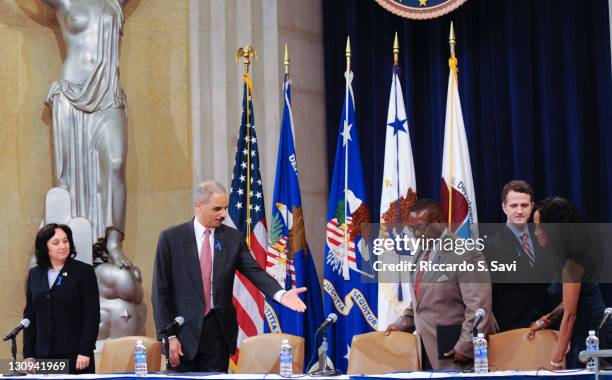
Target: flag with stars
<point>289,259</point>
<point>349,289</point>
<point>457,195</point>
<point>397,196</point>
<point>247,214</point>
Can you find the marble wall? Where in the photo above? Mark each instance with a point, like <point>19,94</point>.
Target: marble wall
<point>219,27</point>
<point>300,25</point>
<point>155,74</point>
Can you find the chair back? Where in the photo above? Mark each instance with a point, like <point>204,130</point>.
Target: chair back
<point>261,353</point>
<point>374,352</point>
<point>511,350</point>
<point>118,354</point>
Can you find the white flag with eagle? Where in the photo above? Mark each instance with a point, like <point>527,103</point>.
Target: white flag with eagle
<point>397,196</point>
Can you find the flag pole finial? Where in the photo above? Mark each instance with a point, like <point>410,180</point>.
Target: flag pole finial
<point>395,50</point>
<point>347,53</point>
<point>287,61</point>
<point>246,53</point>
<point>451,39</point>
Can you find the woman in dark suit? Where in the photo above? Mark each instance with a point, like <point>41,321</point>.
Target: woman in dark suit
<point>62,304</point>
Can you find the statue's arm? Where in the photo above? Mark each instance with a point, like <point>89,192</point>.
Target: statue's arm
<point>123,2</point>
<point>57,4</point>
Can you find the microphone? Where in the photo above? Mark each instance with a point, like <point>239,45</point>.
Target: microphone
<point>178,321</point>
<point>22,325</point>
<point>331,318</point>
<point>606,315</point>
<point>478,316</point>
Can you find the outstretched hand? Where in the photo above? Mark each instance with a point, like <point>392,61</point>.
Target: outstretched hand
<point>291,299</point>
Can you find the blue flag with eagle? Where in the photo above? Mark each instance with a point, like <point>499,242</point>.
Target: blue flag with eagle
<point>349,289</point>
<point>289,260</point>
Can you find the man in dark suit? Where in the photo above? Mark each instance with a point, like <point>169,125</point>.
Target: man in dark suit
<point>193,277</point>
<point>520,296</point>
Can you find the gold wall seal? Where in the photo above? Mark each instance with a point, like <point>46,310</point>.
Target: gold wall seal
<point>420,9</point>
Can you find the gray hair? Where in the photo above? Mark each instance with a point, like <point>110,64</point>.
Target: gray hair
<point>206,189</point>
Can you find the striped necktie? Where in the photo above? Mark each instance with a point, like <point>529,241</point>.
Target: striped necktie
<point>527,248</point>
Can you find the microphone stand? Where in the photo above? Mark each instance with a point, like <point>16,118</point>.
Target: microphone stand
<point>475,330</point>
<point>602,324</point>
<point>13,371</point>
<point>166,351</point>
<point>324,369</point>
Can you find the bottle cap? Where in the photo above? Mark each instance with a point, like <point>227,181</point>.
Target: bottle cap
<point>481,335</point>
<point>591,332</point>
<point>285,341</point>
<point>139,342</point>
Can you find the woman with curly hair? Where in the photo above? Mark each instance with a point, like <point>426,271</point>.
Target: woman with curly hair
<point>560,231</point>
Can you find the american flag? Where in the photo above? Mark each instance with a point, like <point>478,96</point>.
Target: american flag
<point>247,214</point>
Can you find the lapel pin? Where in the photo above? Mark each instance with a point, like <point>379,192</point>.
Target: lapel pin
<point>218,245</point>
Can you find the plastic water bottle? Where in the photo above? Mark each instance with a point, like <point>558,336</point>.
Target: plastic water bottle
<point>592,344</point>
<point>481,356</point>
<point>140,359</point>
<point>286,363</point>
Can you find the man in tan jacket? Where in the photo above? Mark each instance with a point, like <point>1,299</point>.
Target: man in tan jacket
<point>445,295</point>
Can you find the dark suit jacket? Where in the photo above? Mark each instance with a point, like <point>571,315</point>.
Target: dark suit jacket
<point>64,320</point>
<point>178,289</point>
<point>519,297</point>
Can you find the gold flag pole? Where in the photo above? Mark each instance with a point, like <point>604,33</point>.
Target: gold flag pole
<point>347,54</point>
<point>395,50</point>
<point>246,53</point>
<point>287,61</point>
<point>452,63</point>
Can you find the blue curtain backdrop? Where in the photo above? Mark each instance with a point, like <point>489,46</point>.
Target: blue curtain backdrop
<point>535,87</point>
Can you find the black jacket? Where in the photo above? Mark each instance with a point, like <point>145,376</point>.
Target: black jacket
<point>177,282</point>
<point>64,320</point>
<point>519,297</point>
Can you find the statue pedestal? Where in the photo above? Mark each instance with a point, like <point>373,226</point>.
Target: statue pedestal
<point>122,310</point>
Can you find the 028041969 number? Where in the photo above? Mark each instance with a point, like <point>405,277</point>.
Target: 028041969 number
<point>38,366</point>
